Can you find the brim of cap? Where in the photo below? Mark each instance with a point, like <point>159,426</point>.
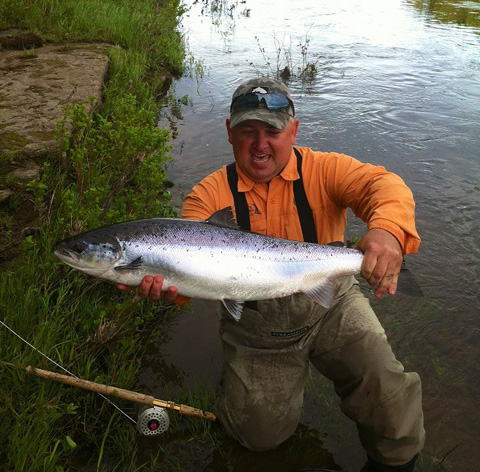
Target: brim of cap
<point>277,119</point>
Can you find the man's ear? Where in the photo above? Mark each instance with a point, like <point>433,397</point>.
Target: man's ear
<point>294,131</point>
<point>229,131</point>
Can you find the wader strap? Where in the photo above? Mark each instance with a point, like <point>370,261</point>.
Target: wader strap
<point>239,199</point>
<point>241,211</point>
<point>305,214</point>
<point>304,211</point>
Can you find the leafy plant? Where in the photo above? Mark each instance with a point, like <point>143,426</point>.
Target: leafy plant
<point>287,65</point>
<point>110,167</point>
<point>107,170</point>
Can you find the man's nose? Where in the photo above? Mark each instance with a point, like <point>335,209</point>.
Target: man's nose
<point>261,141</point>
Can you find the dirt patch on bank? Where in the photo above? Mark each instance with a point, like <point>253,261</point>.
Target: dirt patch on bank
<point>37,81</point>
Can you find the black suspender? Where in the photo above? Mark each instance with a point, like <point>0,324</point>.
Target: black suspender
<point>239,199</point>
<point>304,211</point>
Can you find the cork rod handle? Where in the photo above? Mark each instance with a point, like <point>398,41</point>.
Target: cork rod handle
<point>120,393</point>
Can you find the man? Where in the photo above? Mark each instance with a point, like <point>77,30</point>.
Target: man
<point>299,194</point>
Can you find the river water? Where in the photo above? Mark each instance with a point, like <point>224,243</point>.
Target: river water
<point>395,83</point>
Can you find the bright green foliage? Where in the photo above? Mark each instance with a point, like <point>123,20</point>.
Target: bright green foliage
<point>109,170</point>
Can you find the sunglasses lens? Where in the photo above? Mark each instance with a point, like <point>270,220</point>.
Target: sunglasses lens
<point>271,101</point>
<point>275,101</point>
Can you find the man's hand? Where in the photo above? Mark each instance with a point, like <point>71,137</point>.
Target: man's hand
<point>151,287</point>
<point>382,260</point>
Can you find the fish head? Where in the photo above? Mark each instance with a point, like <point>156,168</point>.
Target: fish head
<point>89,253</point>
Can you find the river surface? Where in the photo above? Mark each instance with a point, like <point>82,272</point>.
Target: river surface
<point>395,83</point>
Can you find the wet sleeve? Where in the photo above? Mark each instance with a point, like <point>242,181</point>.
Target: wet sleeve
<point>378,197</point>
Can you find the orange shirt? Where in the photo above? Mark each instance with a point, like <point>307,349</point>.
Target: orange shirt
<point>333,182</point>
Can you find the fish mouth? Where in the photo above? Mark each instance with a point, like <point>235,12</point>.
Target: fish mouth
<point>72,259</point>
<point>65,254</point>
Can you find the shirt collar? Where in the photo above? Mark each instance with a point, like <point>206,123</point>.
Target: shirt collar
<point>289,173</point>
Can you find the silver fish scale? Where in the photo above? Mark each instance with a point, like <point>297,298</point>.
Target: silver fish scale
<point>200,235</point>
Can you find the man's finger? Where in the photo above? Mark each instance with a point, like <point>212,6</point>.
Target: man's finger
<point>145,286</point>
<point>171,294</point>
<point>124,288</point>
<point>156,288</point>
<point>387,284</point>
<point>368,267</point>
<point>376,275</point>
<point>392,290</point>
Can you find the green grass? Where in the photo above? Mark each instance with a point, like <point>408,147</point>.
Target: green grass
<point>146,44</point>
<point>62,314</point>
<point>111,167</point>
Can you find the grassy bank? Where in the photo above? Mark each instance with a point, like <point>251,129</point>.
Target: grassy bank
<point>148,45</point>
<point>111,167</point>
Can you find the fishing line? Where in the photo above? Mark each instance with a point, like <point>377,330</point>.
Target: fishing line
<point>64,369</point>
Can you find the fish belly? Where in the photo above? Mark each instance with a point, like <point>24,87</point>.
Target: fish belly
<point>240,278</point>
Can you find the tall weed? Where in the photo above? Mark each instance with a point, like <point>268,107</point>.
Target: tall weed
<point>111,167</point>
<point>108,169</point>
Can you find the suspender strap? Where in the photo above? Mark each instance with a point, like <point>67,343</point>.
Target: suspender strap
<point>239,199</point>
<point>304,211</point>
<point>241,210</point>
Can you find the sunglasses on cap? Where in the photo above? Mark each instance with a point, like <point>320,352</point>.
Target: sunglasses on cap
<point>254,100</point>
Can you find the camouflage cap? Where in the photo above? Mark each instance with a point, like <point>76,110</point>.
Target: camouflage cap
<point>263,85</point>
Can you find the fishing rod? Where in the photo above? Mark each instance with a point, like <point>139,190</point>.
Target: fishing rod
<point>153,420</point>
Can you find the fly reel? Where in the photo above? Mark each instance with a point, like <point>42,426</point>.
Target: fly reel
<point>153,421</point>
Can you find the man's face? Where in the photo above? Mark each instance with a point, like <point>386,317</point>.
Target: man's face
<point>261,150</point>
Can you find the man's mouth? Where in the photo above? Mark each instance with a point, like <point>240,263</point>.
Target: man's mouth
<point>261,157</point>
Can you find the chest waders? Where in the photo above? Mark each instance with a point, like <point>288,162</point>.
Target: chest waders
<point>349,347</point>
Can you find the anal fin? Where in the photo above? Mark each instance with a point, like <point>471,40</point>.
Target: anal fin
<point>323,293</point>
<point>234,308</point>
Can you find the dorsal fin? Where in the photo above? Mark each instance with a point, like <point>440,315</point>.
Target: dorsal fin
<point>223,218</point>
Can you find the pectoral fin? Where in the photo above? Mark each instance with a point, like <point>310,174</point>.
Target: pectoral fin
<point>134,265</point>
<point>323,293</point>
<point>234,308</point>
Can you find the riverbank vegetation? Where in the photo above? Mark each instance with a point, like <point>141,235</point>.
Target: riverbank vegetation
<point>148,46</point>
<point>110,167</point>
